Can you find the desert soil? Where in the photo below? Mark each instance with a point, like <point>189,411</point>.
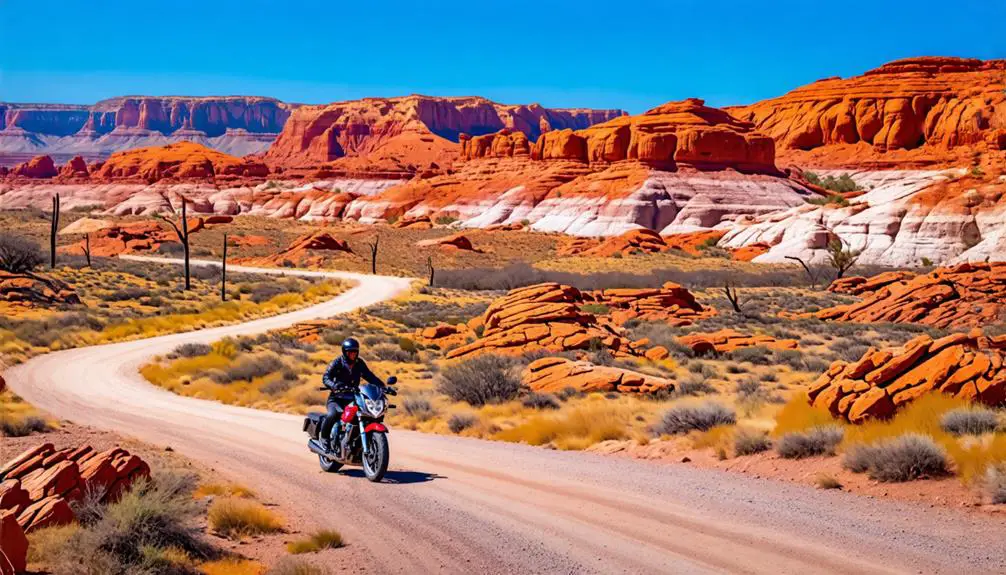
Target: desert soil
<point>462,505</point>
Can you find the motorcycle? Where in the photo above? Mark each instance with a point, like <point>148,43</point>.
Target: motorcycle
<point>368,443</point>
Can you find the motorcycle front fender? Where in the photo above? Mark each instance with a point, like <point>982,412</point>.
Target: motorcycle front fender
<point>375,426</point>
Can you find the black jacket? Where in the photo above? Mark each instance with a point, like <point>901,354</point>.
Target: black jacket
<point>340,375</point>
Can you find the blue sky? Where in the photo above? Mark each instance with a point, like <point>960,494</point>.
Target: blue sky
<point>621,53</point>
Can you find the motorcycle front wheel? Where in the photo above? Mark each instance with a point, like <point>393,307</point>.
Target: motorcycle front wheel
<point>375,461</point>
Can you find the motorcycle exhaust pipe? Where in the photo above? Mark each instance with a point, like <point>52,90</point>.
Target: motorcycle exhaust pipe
<point>316,447</point>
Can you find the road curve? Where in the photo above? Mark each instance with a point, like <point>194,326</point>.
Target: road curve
<point>470,506</point>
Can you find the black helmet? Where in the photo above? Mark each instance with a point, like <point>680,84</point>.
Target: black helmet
<point>350,344</point>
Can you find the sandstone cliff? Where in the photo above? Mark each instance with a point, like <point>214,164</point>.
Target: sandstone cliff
<point>908,113</point>
<point>238,125</point>
<point>411,132</point>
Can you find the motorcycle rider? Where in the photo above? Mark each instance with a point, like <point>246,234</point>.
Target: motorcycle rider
<point>342,378</point>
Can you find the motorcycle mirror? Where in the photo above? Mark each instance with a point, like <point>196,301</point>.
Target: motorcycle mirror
<point>392,380</point>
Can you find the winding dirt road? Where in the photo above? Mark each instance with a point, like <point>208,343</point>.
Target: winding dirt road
<point>469,506</point>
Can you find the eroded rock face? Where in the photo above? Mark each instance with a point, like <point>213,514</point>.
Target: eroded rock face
<point>555,374</point>
<point>905,218</point>
<point>183,160</point>
<point>13,545</point>
<point>236,125</point>
<point>669,303</point>
<point>968,366</point>
<point>452,242</point>
<point>967,295</point>
<point>37,167</point>
<point>909,112</point>
<point>411,132</point>
<point>38,485</point>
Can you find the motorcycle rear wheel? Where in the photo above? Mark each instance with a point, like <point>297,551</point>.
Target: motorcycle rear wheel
<point>375,463</point>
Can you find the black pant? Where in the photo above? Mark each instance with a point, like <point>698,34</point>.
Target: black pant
<point>336,403</point>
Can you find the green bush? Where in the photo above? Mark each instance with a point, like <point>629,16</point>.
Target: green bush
<point>480,380</point>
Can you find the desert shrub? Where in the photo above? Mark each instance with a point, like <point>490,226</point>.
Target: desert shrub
<point>418,407</point>
<point>567,393</point>
<point>749,389</point>
<point>751,441</point>
<point>461,421</point>
<point>698,417</point>
<point>264,291</point>
<point>324,539</point>
<point>791,357</point>
<point>151,529</point>
<point>815,441</point>
<point>19,425</point>
<point>995,483</point>
<point>192,350</point>
<point>911,456</point>
<point>291,566</point>
<point>407,345</point>
<point>540,401</point>
<point>694,384</point>
<point>248,368</point>
<point>278,386</point>
<point>391,352</point>
<point>18,254</point>
<point>128,293</point>
<point>572,429</point>
<point>825,481</point>
<point>756,354</point>
<point>445,220</point>
<point>595,308</point>
<point>235,518</point>
<point>480,380</point>
<point>969,421</point>
<point>841,184</point>
<point>798,415</point>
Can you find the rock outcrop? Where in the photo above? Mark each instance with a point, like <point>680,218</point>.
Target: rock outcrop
<point>669,303</point>
<point>38,485</point>
<point>13,545</point>
<point>969,366</point>
<point>133,238</point>
<point>238,125</point>
<point>552,317</point>
<point>727,340</point>
<point>409,133</point>
<point>907,113</point>
<point>179,161</point>
<point>31,289</point>
<point>37,167</point>
<point>543,316</point>
<point>452,242</point>
<point>555,374</point>
<point>967,295</point>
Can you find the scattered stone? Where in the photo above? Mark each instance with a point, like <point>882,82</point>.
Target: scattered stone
<point>30,289</point>
<point>454,242</point>
<point>13,545</point>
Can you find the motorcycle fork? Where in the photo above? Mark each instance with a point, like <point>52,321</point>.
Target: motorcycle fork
<point>363,438</point>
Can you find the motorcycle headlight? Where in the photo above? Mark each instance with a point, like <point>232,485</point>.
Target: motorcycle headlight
<point>375,406</point>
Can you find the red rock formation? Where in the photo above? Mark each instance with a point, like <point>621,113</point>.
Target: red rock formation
<point>35,289</point>
<point>912,111</point>
<point>75,168</point>
<point>555,374</point>
<point>13,545</point>
<point>965,366</point>
<point>416,130</point>
<point>727,340</point>
<point>135,238</point>
<point>967,295</point>
<point>452,242</point>
<point>638,240</point>
<point>180,161</point>
<point>37,167</point>
<point>669,303</point>
<point>502,144</point>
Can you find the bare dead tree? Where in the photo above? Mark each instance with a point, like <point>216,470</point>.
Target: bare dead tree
<point>429,264</point>
<point>373,253</point>
<point>732,296</point>
<point>53,228</point>
<point>810,273</point>
<point>87,248</point>
<point>183,236</point>
<point>223,272</point>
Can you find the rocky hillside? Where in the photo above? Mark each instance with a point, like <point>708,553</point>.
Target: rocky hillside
<point>924,140</point>
<point>238,125</point>
<point>410,133</point>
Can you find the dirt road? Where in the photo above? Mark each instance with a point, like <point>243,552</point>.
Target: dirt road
<point>470,506</point>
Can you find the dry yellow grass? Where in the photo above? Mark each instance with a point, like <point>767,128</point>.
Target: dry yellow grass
<point>235,518</point>
<point>324,539</point>
<point>232,566</point>
<point>223,490</point>
<point>574,429</point>
<point>798,415</point>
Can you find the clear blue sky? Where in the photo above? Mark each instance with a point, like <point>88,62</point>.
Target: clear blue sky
<point>620,53</point>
